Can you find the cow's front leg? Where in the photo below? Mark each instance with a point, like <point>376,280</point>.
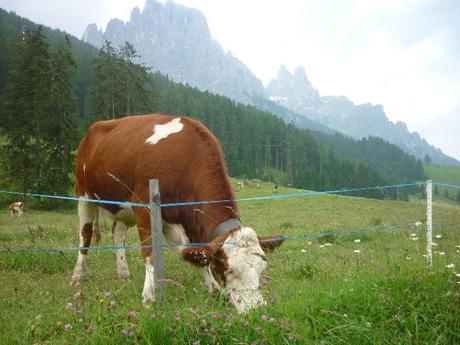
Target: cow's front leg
<point>148,294</point>
<point>143,226</point>
<point>211,283</point>
<point>119,240</point>
<point>86,214</point>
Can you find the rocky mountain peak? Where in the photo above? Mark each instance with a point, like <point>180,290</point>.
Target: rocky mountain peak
<point>135,15</point>
<point>293,91</point>
<point>175,40</point>
<point>93,34</point>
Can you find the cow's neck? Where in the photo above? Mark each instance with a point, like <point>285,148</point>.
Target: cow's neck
<point>216,219</point>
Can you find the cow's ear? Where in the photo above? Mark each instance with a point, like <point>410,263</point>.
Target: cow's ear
<point>270,243</point>
<point>199,256</point>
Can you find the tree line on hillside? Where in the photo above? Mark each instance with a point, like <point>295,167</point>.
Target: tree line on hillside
<point>111,85</point>
<point>376,152</point>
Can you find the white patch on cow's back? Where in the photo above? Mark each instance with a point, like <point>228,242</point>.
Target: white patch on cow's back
<point>245,264</point>
<point>163,131</point>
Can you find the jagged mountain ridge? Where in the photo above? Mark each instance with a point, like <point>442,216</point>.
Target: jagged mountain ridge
<point>175,41</point>
<point>295,92</point>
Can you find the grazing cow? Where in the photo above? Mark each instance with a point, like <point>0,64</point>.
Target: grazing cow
<point>239,185</point>
<point>16,208</point>
<point>115,161</point>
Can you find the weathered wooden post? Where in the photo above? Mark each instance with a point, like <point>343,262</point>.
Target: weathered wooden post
<point>157,242</point>
<point>429,222</point>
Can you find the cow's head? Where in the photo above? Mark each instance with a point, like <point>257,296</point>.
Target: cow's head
<point>235,266</point>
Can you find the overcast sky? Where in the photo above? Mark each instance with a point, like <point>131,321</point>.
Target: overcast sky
<point>403,54</point>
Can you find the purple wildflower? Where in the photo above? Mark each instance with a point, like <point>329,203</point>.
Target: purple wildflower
<point>132,315</point>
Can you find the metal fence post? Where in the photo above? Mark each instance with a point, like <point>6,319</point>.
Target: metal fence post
<point>157,243</point>
<point>429,222</point>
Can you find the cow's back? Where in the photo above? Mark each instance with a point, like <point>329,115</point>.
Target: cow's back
<point>117,158</point>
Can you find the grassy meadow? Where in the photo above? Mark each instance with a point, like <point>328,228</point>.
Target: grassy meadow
<point>444,174</point>
<point>356,278</point>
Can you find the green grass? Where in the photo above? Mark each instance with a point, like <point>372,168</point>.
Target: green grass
<point>316,294</point>
<point>443,173</point>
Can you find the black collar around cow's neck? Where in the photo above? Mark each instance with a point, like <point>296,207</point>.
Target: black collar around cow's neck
<point>225,227</point>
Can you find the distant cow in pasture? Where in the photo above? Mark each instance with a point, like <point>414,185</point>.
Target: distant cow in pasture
<point>240,185</point>
<point>115,161</point>
<point>255,183</point>
<point>16,208</point>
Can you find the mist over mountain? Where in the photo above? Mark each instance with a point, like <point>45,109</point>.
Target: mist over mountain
<point>175,41</point>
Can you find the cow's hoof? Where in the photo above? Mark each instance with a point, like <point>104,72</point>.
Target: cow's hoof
<point>146,303</point>
<point>123,274</point>
<point>77,280</point>
<point>78,276</point>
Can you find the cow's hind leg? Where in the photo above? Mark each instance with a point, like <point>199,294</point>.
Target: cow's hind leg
<point>119,240</point>
<point>96,229</point>
<point>86,214</point>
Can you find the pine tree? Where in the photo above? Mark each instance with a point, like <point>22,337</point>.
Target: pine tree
<point>107,84</point>
<point>135,80</point>
<point>121,85</point>
<point>61,133</point>
<point>39,117</point>
<point>25,110</point>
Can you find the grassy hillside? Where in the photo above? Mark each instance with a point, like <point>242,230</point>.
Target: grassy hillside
<point>377,290</point>
<point>443,173</point>
<point>447,175</point>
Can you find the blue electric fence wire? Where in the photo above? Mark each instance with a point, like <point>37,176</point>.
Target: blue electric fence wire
<point>446,185</point>
<point>58,197</point>
<point>270,197</point>
<point>192,203</point>
<point>302,237</point>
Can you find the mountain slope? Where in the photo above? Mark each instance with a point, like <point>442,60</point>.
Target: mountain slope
<point>295,92</point>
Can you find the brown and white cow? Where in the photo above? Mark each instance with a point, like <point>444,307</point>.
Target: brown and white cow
<point>115,161</point>
<point>16,208</point>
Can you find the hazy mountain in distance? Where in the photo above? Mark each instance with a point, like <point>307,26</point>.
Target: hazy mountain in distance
<point>175,41</point>
<point>295,92</point>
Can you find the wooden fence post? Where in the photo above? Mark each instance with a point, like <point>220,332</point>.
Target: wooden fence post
<point>157,241</point>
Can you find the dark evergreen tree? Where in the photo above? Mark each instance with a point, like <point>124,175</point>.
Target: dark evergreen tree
<point>60,134</point>
<point>137,96</point>
<point>121,87</point>
<point>107,86</point>
<point>24,112</point>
